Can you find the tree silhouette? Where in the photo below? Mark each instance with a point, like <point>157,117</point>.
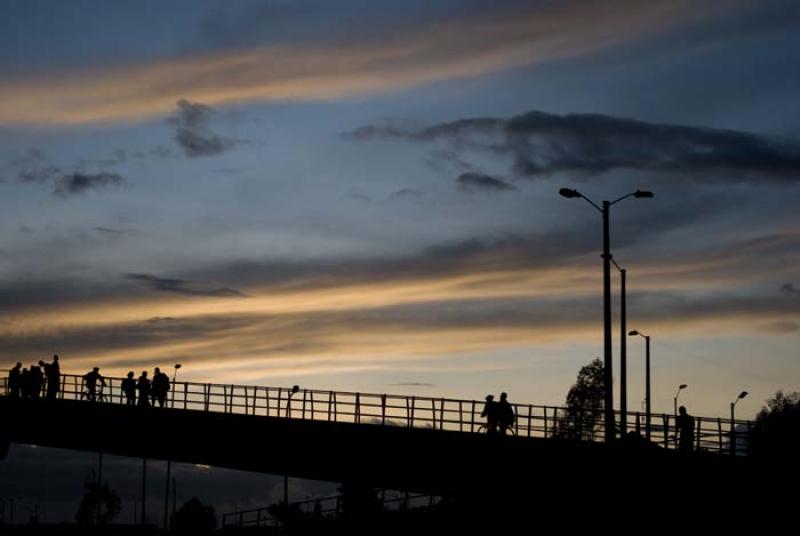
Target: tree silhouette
<point>776,432</point>
<point>194,517</point>
<point>584,404</point>
<point>99,506</point>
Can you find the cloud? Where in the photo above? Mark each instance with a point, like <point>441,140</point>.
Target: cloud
<point>112,230</point>
<point>542,144</point>
<point>182,286</point>
<point>406,193</point>
<point>790,289</point>
<point>79,182</point>
<point>403,56</point>
<point>476,182</point>
<point>782,327</point>
<point>193,134</point>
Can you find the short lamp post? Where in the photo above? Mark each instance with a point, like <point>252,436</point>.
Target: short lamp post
<point>648,399</point>
<point>733,421</point>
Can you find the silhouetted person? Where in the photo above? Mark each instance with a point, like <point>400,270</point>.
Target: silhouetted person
<point>25,384</point>
<point>129,388</point>
<point>15,381</point>
<point>685,425</point>
<point>505,414</point>
<point>52,373</point>
<point>91,379</point>
<point>35,382</point>
<point>143,386</point>
<point>490,413</point>
<point>159,387</point>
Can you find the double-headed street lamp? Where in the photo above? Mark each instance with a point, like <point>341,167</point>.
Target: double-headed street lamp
<point>608,383</point>
<point>733,421</point>
<point>647,406</point>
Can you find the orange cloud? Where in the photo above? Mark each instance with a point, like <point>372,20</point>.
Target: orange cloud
<point>453,48</point>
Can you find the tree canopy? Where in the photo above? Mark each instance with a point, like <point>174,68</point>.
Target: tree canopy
<point>777,428</point>
<point>194,517</point>
<point>584,404</point>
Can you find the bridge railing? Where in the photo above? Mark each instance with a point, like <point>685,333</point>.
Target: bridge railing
<point>328,507</point>
<point>457,415</point>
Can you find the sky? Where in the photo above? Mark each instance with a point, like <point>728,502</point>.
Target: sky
<point>363,195</point>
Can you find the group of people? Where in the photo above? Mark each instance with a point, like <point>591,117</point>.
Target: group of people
<point>31,382</point>
<point>44,380</point>
<point>499,415</point>
<point>149,391</point>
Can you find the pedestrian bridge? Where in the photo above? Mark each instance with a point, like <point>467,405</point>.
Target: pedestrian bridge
<point>421,444</point>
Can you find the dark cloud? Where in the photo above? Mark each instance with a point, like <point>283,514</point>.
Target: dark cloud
<point>182,286</point>
<point>406,193</point>
<point>477,182</point>
<point>782,327</point>
<point>789,288</point>
<point>79,182</point>
<point>542,144</point>
<point>41,174</point>
<point>193,134</point>
<point>112,230</point>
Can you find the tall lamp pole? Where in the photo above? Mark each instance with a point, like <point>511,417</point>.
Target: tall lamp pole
<point>733,421</point>
<point>608,377</point>
<point>623,355</point>
<point>648,403</point>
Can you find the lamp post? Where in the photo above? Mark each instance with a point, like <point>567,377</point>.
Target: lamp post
<point>733,421</point>
<point>681,387</point>
<point>648,403</point>
<point>608,383</point>
<point>623,355</point>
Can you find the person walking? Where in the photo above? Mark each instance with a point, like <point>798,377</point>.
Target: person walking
<point>52,372</point>
<point>490,413</point>
<point>15,381</point>
<point>685,425</point>
<point>505,414</point>
<point>143,386</point>
<point>129,388</point>
<point>91,380</point>
<point>160,387</point>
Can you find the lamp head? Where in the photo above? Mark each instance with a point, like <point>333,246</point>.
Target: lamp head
<point>569,193</point>
<point>682,386</point>
<point>742,395</point>
<point>295,389</point>
<point>643,194</point>
<point>177,366</point>
<point>633,333</point>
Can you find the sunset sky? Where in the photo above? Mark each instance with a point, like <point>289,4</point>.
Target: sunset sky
<point>363,195</point>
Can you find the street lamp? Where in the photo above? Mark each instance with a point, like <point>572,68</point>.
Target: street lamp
<point>608,383</point>
<point>733,421</point>
<point>681,387</point>
<point>174,375</point>
<point>623,355</point>
<point>647,381</point>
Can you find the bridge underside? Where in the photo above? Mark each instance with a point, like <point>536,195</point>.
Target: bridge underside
<point>429,461</point>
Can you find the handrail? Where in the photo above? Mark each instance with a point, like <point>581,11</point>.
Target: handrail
<point>712,434</point>
<point>327,507</point>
